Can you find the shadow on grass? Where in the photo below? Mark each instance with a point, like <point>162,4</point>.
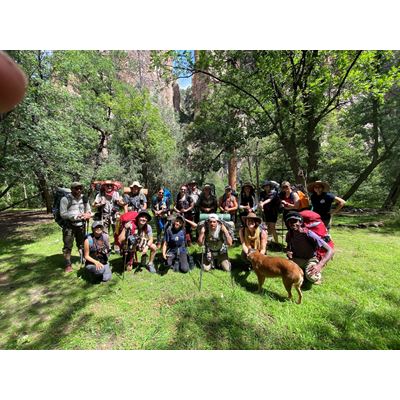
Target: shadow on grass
<point>357,329</point>
<point>214,323</point>
<point>42,304</point>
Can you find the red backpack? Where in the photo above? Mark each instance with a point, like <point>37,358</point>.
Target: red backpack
<point>129,216</point>
<point>313,222</point>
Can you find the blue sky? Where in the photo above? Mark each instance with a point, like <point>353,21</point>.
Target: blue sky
<point>185,82</point>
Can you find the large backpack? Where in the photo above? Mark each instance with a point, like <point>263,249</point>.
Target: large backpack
<point>313,222</point>
<point>228,224</point>
<point>304,202</point>
<point>58,194</point>
<point>129,216</point>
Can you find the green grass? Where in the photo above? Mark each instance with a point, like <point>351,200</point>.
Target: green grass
<point>357,306</point>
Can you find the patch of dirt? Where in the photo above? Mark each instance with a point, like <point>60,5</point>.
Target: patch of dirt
<point>11,221</point>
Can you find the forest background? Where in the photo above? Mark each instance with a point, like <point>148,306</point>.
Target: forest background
<point>248,115</point>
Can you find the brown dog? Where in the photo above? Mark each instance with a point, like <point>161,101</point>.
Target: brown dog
<point>273,267</point>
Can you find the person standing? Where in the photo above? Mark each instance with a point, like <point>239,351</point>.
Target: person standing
<point>135,200</point>
<point>228,203</point>
<point>75,212</point>
<point>185,205</point>
<point>269,203</point>
<point>322,200</point>
<point>160,206</point>
<point>247,201</point>
<point>107,203</point>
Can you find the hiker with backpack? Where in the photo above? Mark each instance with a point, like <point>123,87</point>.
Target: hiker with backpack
<point>247,201</point>
<point>289,198</point>
<point>75,212</point>
<point>184,205</point>
<point>228,203</point>
<point>253,235</point>
<point>215,237</point>
<point>322,200</point>
<point>139,237</point>
<point>270,203</point>
<point>302,248</point>
<point>160,206</point>
<point>174,247</point>
<point>135,200</point>
<point>107,202</point>
<point>96,250</point>
<point>207,201</point>
<point>194,192</point>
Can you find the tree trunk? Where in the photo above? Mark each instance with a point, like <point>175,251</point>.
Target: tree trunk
<point>249,168</point>
<point>44,190</point>
<point>393,195</point>
<point>232,170</point>
<point>363,176</point>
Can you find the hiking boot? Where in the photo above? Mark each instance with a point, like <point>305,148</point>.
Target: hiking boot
<point>151,268</point>
<point>68,268</point>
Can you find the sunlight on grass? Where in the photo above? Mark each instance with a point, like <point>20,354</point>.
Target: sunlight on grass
<point>357,307</point>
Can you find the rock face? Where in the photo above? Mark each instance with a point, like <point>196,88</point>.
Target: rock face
<point>200,84</point>
<point>138,72</point>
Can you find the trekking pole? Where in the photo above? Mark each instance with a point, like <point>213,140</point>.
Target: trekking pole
<point>201,267</point>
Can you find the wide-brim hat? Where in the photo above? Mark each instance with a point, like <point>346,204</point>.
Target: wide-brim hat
<point>192,182</point>
<point>146,214</point>
<point>249,184</point>
<point>136,183</point>
<point>325,186</point>
<point>108,182</point>
<point>76,184</point>
<point>253,216</point>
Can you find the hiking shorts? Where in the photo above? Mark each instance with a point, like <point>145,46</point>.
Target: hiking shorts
<point>69,233</point>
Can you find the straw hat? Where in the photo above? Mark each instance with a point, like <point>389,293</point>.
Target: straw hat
<point>325,186</point>
<point>253,216</point>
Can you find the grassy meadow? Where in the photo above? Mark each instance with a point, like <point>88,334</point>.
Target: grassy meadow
<point>356,307</point>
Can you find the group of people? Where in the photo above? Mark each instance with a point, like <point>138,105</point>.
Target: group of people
<point>193,216</point>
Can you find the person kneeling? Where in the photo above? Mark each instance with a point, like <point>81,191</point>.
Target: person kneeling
<point>96,249</point>
<point>302,246</point>
<point>174,249</point>
<point>216,239</point>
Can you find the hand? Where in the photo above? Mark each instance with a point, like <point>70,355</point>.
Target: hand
<point>289,254</point>
<point>86,216</point>
<point>128,225</point>
<point>98,265</point>
<point>314,269</point>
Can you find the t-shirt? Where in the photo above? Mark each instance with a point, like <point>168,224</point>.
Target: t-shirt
<point>208,202</point>
<point>273,205</point>
<point>184,202</point>
<point>135,202</point>
<point>322,204</point>
<point>175,239</point>
<point>303,243</point>
<point>111,201</point>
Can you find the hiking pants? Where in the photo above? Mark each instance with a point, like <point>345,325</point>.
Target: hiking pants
<point>69,233</point>
<point>179,262</point>
<point>105,272</point>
